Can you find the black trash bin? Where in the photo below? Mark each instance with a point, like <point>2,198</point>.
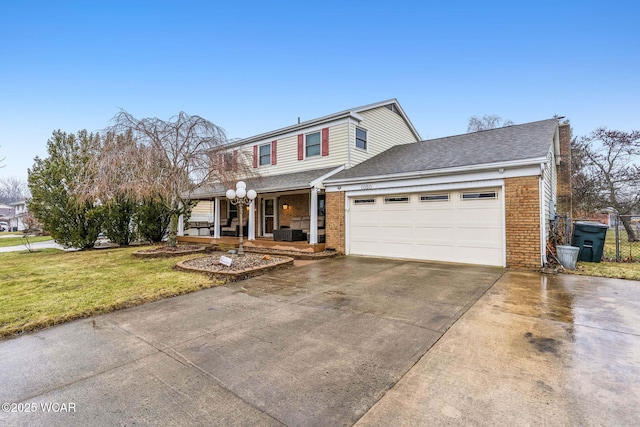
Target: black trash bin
<point>589,237</point>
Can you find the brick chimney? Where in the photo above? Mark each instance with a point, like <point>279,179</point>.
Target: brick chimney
<point>563,188</point>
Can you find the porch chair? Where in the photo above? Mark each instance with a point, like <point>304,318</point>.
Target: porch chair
<point>230,228</point>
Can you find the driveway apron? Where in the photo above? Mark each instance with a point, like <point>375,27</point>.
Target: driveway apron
<point>535,350</point>
<point>312,345</point>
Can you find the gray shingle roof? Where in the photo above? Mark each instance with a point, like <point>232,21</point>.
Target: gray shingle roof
<point>265,184</point>
<point>511,143</point>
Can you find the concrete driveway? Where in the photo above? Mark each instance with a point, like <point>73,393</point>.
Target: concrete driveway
<point>342,341</point>
<point>312,345</point>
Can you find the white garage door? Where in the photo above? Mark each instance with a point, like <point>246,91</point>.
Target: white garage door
<point>455,226</point>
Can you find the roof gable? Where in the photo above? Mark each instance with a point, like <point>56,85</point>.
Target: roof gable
<point>529,142</point>
<point>352,113</point>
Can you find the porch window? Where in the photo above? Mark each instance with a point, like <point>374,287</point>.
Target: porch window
<point>361,138</point>
<point>265,154</point>
<point>312,144</point>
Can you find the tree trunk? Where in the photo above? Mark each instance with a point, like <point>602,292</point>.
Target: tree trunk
<point>172,240</point>
<point>626,223</point>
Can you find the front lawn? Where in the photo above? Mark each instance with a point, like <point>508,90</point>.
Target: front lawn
<point>49,287</point>
<point>620,270</point>
<point>629,251</point>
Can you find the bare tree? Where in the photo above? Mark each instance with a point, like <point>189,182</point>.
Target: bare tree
<point>611,166</point>
<point>486,122</point>
<point>12,190</point>
<point>168,160</point>
<point>2,160</point>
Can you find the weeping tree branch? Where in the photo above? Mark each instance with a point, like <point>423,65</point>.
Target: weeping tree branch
<point>168,160</point>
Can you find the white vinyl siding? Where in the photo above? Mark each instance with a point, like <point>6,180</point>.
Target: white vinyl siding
<point>384,130</point>
<point>454,230</point>
<point>288,153</point>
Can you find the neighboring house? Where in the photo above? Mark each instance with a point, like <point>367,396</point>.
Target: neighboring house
<point>480,198</point>
<point>291,164</point>
<point>6,212</point>
<point>17,221</point>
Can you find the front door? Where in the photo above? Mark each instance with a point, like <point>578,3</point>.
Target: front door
<point>268,216</point>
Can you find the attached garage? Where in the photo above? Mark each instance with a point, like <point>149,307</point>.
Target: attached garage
<point>454,226</point>
<point>479,198</point>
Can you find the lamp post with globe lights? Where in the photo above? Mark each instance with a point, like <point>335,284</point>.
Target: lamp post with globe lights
<point>241,197</point>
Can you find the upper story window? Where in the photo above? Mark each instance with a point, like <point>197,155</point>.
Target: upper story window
<point>312,144</point>
<point>265,154</point>
<point>361,138</point>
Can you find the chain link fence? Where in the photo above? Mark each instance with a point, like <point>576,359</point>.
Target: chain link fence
<point>617,246</point>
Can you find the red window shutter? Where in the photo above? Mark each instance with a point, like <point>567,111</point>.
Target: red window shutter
<point>274,144</point>
<point>220,161</point>
<point>325,141</point>
<point>235,161</point>
<point>255,156</point>
<point>301,147</point>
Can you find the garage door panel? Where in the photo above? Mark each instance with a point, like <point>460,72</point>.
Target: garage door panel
<point>457,230</point>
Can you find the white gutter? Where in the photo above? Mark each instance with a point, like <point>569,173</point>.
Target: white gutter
<point>445,171</point>
<point>318,181</point>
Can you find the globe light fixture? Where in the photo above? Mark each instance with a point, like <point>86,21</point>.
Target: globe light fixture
<point>241,197</point>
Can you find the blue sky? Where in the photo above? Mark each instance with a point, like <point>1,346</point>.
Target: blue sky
<point>252,67</point>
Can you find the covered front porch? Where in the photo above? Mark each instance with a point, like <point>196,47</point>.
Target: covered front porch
<point>284,202</point>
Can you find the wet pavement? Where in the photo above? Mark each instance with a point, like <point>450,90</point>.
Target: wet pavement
<point>343,341</point>
<point>314,345</point>
<point>535,350</point>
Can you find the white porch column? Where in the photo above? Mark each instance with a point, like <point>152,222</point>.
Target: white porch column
<point>313,216</point>
<point>180,224</point>
<point>252,221</point>
<point>216,217</point>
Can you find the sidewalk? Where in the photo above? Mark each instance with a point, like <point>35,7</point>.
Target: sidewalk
<point>50,244</point>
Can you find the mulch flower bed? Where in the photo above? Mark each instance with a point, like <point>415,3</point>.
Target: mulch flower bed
<point>167,251</point>
<point>242,267</point>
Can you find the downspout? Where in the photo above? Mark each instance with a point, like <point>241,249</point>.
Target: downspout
<point>543,238</point>
<point>349,142</point>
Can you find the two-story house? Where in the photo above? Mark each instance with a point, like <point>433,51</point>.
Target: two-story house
<point>365,176</point>
<point>292,163</point>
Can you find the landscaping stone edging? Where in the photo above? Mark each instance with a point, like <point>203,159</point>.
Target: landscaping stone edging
<point>159,254</point>
<point>233,276</point>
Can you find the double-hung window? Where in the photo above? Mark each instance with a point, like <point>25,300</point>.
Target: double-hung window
<point>265,154</point>
<point>312,144</point>
<point>361,138</point>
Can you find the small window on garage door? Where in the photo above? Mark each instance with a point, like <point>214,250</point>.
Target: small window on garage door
<point>434,197</point>
<point>396,199</point>
<point>480,195</point>
<point>364,201</point>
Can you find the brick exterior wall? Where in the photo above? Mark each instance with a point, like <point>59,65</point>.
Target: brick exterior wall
<point>335,226</point>
<point>522,221</point>
<point>564,204</point>
<point>298,206</point>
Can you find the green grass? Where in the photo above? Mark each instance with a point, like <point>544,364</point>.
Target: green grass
<point>49,287</point>
<point>19,240</point>
<point>620,270</point>
<point>628,250</point>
